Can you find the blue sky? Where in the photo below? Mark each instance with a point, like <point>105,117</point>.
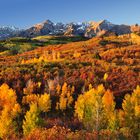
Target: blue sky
<point>25,13</point>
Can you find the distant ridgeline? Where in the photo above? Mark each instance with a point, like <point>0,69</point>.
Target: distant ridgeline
<point>84,29</point>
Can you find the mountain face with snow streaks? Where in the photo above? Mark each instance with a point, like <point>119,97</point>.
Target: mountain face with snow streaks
<point>87,29</point>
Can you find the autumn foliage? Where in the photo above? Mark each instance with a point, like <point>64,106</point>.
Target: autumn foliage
<point>80,90</point>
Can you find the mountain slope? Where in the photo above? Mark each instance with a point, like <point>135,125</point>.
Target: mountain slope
<point>87,29</point>
<point>8,31</point>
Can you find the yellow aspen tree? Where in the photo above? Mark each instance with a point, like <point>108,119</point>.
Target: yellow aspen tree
<point>108,101</point>
<point>58,55</point>
<point>90,110</point>
<point>29,99</point>
<point>64,88</point>
<point>8,112</point>
<point>32,119</point>
<point>58,89</point>
<point>66,98</point>
<point>6,124</point>
<point>131,107</point>
<point>39,84</point>
<point>23,61</point>
<point>90,86</point>
<point>62,103</point>
<point>44,102</point>
<point>54,55</point>
<point>76,54</point>
<point>63,99</point>
<point>105,76</point>
<point>109,107</point>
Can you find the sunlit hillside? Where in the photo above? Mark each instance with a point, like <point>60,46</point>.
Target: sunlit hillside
<point>70,87</point>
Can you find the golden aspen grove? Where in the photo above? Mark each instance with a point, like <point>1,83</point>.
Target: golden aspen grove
<point>69,69</point>
<point>89,89</point>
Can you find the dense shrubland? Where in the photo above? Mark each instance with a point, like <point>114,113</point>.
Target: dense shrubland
<point>82,90</point>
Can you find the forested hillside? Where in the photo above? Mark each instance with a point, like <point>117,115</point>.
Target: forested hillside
<point>70,88</point>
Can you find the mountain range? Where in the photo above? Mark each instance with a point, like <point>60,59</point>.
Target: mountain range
<point>8,31</point>
<point>87,29</point>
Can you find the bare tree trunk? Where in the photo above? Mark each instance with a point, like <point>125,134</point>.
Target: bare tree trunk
<point>97,121</point>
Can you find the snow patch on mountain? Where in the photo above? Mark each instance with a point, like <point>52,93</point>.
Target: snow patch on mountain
<point>8,31</point>
<point>87,29</point>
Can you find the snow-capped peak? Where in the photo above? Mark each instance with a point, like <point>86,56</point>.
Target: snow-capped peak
<point>88,29</point>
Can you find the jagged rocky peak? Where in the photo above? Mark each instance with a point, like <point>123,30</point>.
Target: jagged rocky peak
<point>87,29</point>
<point>98,28</point>
<point>48,22</point>
<point>45,23</point>
<point>105,21</point>
<point>103,25</point>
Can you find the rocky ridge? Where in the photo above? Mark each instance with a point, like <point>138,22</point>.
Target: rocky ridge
<point>87,29</point>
